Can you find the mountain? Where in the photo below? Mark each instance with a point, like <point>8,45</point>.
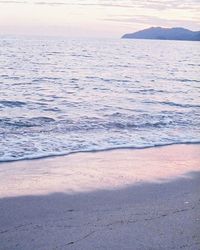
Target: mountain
<point>165,34</point>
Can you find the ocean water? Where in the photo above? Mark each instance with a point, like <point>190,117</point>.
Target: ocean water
<point>59,96</point>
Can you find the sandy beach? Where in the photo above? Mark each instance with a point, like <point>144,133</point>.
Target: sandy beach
<point>118,199</point>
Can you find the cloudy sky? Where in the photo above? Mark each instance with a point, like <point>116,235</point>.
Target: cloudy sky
<point>95,18</point>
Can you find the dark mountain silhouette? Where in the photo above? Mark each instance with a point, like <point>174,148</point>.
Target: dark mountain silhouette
<point>165,34</point>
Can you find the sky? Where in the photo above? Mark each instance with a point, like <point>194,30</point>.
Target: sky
<point>95,18</point>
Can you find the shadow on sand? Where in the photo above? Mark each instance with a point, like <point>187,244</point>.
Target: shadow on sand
<point>163,215</point>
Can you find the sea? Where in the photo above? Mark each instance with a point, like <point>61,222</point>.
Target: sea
<point>60,96</point>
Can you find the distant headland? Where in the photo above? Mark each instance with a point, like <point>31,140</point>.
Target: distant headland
<point>165,34</point>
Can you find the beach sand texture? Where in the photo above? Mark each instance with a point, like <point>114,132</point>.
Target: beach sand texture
<point>119,199</point>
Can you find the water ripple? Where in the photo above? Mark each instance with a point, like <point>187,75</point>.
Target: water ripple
<point>62,96</point>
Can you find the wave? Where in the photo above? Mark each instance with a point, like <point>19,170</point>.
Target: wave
<point>108,79</point>
<point>12,104</point>
<point>66,125</point>
<point>181,105</point>
<point>21,123</point>
<point>44,156</point>
<point>174,104</point>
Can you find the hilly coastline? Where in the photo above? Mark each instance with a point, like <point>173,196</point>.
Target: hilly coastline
<point>159,33</point>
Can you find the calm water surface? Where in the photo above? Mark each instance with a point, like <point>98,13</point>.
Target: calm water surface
<point>59,96</point>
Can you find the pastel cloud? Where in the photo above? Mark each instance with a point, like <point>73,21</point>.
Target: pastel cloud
<point>103,17</point>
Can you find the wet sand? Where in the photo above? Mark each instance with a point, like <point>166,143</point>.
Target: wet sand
<point>120,199</point>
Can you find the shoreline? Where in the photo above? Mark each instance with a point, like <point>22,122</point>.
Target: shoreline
<point>121,199</point>
<point>85,172</point>
<point>98,151</point>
